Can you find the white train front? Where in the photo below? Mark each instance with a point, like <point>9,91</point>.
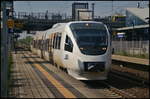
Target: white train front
<point>82,48</point>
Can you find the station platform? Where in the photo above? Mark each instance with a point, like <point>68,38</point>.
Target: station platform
<point>33,77</point>
<point>131,59</point>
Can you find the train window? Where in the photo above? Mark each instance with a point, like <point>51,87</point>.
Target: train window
<point>47,44</point>
<point>33,43</point>
<point>59,40</point>
<point>54,41</point>
<point>51,41</point>
<point>38,44</point>
<point>43,44</point>
<point>68,44</point>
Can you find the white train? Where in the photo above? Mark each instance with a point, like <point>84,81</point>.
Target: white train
<point>81,48</point>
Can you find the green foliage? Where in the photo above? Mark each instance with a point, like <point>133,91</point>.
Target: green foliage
<point>123,53</point>
<point>26,41</point>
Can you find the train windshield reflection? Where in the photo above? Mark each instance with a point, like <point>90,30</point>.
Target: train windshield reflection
<point>91,38</point>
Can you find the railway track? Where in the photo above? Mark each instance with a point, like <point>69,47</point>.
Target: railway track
<point>123,84</point>
<point>133,79</point>
<point>105,86</point>
<point>119,85</point>
<point>130,85</point>
<point>119,92</point>
<point>105,91</point>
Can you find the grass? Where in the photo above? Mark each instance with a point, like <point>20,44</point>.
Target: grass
<point>123,53</point>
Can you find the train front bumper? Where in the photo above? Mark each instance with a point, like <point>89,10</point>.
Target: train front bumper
<point>80,75</point>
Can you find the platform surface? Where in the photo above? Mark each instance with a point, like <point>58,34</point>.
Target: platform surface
<point>131,59</point>
<point>33,77</point>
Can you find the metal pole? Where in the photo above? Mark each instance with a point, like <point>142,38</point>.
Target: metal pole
<point>4,52</point>
<point>93,11</point>
<point>133,38</point>
<point>112,8</point>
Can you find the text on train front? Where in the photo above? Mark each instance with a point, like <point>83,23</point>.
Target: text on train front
<point>92,38</point>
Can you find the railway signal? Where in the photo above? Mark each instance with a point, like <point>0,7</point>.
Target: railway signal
<point>10,23</point>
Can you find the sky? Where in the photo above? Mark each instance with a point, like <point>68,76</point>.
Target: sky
<point>102,8</point>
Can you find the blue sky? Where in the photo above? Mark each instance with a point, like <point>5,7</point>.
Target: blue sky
<point>102,8</point>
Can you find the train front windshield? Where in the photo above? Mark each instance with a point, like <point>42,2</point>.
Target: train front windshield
<point>92,38</point>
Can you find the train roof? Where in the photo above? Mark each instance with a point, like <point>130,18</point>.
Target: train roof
<point>60,26</point>
<point>84,22</point>
<point>38,34</point>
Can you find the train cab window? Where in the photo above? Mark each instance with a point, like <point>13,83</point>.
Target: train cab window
<point>68,44</point>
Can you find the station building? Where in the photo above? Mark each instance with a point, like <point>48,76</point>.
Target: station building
<point>136,25</point>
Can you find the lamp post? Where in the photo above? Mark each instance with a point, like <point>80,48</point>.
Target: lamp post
<point>93,11</point>
<point>133,36</point>
<point>4,51</point>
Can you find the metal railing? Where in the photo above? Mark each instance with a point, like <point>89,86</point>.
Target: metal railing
<point>41,15</point>
<point>131,47</point>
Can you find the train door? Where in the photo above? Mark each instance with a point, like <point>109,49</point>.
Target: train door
<point>68,50</point>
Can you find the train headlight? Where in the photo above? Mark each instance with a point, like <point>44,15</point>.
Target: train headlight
<point>86,24</point>
<point>104,48</point>
<point>81,48</point>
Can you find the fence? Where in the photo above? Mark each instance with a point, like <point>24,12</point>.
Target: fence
<point>131,47</point>
<point>40,15</point>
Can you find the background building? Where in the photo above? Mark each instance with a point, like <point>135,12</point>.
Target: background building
<point>137,25</point>
<point>77,5</point>
<point>137,16</point>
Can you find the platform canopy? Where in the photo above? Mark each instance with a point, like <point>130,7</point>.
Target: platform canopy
<point>131,27</point>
